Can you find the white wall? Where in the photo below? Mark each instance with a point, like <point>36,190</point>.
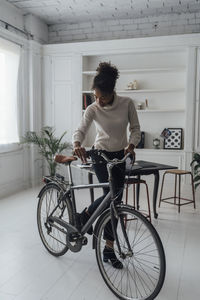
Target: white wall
<point>36,27</point>
<point>28,25</point>
<point>10,14</point>
<point>188,43</point>
<point>168,24</point>
<point>20,168</point>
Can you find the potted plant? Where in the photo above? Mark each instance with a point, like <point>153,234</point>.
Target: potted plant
<point>48,145</point>
<point>196,169</point>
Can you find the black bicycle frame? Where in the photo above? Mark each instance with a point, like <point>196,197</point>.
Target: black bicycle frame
<point>108,199</point>
<point>99,209</point>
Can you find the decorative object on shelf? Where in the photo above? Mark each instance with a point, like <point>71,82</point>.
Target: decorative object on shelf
<point>139,106</point>
<point>48,144</point>
<point>135,85</point>
<point>87,100</point>
<point>174,141</point>
<point>146,104</point>
<point>196,169</point>
<point>156,143</point>
<point>141,143</point>
<point>165,133</point>
<point>132,85</point>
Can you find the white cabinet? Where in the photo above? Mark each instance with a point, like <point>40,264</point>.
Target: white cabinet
<point>61,108</point>
<point>197,106</point>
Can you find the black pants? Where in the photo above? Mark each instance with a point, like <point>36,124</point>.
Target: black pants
<point>118,173</point>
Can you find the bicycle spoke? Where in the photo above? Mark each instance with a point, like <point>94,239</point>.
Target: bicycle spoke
<point>52,237</point>
<point>142,269</point>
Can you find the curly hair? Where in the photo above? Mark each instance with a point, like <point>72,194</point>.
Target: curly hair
<point>106,77</point>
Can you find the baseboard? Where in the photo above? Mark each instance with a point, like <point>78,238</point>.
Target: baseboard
<point>13,187</point>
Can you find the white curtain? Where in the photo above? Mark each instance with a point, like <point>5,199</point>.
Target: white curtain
<point>9,66</point>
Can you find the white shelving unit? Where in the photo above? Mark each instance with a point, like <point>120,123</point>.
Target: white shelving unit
<point>166,69</point>
<point>161,78</point>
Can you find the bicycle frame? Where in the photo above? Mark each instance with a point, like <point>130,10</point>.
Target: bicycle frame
<point>109,198</point>
<point>104,202</point>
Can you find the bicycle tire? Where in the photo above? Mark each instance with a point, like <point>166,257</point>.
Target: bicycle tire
<point>53,239</point>
<point>143,274</point>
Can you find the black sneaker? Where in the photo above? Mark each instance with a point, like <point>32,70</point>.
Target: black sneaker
<point>84,217</point>
<point>109,254</point>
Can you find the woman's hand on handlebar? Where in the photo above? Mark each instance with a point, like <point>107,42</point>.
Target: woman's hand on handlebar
<point>80,152</point>
<point>130,149</point>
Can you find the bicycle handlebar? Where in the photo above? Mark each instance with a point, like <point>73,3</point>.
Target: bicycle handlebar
<point>114,161</point>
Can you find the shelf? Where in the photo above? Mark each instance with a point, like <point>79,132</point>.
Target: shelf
<point>159,110</point>
<point>144,91</point>
<point>152,91</point>
<point>172,151</point>
<point>146,111</point>
<point>178,69</point>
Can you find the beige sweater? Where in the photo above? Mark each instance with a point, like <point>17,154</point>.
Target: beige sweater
<point>111,124</point>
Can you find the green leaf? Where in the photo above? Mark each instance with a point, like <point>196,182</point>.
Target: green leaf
<point>48,145</point>
<point>196,158</point>
<point>196,167</point>
<point>196,185</point>
<point>197,178</point>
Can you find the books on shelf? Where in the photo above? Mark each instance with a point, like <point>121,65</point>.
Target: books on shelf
<point>87,100</point>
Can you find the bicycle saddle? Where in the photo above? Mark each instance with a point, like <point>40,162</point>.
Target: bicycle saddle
<point>63,159</point>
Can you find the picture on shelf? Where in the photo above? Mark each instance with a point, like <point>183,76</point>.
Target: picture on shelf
<point>174,141</point>
<point>165,133</point>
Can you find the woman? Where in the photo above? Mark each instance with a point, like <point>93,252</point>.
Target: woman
<point>111,115</point>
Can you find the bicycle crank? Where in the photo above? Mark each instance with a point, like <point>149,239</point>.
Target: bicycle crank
<point>74,239</point>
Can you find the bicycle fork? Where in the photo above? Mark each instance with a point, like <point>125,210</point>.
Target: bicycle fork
<point>114,216</point>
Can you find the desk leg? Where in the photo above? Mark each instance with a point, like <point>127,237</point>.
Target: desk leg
<point>90,180</point>
<point>155,193</point>
<point>138,193</point>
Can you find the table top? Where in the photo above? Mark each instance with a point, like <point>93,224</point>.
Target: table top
<point>140,167</point>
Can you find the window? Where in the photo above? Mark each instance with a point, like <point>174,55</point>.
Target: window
<point>9,65</point>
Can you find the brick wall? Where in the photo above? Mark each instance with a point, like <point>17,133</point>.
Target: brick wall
<point>168,24</point>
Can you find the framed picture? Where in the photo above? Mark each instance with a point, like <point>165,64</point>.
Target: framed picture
<point>174,141</point>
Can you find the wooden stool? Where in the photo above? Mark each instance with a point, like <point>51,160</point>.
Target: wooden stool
<point>134,181</point>
<point>179,204</point>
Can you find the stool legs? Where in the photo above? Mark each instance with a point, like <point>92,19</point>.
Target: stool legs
<point>178,186</point>
<point>134,197</point>
<point>161,189</point>
<point>193,192</point>
<point>179,194</point>
<point>175,189</point>
<point>126,200</point>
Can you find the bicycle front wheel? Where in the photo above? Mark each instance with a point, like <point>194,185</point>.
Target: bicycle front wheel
<point>52,203</point>
<point>143,272</point>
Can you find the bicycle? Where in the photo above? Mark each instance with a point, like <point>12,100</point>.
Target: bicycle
<point>137,244</point>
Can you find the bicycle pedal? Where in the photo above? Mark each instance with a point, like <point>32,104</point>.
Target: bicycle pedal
<point>84,241</point>
<point>74,236</point>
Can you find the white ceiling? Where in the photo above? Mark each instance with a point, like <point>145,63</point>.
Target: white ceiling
<point>76,11</point>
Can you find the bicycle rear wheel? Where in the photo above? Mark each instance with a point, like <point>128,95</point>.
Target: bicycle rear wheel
<point>143,272</point>
<point>53,236</point>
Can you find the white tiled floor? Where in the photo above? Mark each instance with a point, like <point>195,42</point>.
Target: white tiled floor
<point>29,272</point>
